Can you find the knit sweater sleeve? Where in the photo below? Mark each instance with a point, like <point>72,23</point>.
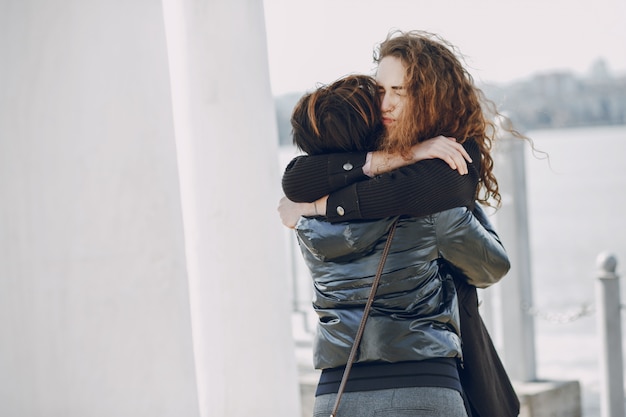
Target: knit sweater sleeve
<point>423,188</point>
<point>308,178</point>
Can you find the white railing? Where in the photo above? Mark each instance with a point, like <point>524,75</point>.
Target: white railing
<point>609,319</point>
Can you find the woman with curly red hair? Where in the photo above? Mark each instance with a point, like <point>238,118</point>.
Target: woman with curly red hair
<point>426,92</point>
<point>439,98</point>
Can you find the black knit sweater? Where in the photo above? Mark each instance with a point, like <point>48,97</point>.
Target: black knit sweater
<point>425,187</point>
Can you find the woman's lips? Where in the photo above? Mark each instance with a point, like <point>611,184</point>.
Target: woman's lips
<point>388,121</point>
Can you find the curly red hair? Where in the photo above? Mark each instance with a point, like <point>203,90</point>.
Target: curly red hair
<point>442,99</point>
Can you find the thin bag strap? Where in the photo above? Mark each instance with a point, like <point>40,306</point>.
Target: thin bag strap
<point>359,332</point>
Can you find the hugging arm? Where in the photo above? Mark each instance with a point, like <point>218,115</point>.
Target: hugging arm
<point>471,246</point>
<point>308,178</point>
<point>422,188</point>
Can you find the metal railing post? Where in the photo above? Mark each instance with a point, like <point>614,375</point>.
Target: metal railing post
<point>610,333</point>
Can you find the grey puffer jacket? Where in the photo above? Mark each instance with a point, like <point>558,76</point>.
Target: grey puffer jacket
<point>415,313</point>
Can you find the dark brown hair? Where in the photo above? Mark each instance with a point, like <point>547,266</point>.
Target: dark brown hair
<point>342,116</point>
<point>442,99</point>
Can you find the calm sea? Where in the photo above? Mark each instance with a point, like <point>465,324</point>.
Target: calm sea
<point>576,207</point>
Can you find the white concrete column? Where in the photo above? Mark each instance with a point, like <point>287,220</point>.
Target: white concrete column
<point>94,302</point>
<point>96,317</point>
<point>227,143</point>
<point>516,324</point>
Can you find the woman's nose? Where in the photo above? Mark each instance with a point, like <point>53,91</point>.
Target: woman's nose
<point>386,105</point>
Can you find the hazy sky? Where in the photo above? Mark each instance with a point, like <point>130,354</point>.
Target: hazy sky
<point>320,40</point>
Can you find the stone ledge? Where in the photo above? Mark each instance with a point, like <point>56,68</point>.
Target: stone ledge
<point>549,398</point>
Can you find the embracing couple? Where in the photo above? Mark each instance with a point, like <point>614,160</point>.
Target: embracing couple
<point>409,147</point>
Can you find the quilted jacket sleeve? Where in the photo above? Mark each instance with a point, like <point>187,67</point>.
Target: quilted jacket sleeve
<point>475,250</point>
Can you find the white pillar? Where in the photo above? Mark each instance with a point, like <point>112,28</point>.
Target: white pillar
<point>515,290</point>
<point>99,253</point>
<point>94,303</point>
<point>227,143</point>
